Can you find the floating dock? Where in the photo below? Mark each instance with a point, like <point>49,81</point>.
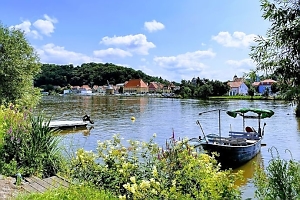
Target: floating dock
<point>67,124</point>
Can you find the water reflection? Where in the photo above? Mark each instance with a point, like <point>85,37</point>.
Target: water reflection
<point>85,131</point>
<point>249,169</point>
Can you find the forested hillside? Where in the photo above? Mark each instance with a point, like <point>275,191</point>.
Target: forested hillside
<point>89,74</point>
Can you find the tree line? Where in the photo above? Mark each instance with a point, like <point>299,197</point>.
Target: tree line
<point>99,73</point>
<point>89,74</point>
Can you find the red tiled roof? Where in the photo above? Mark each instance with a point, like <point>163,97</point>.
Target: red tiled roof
<point>267,82</point>
<point>75,87</point>
<point>135,83</point>
<point>153,85</point>
<point>256,83</point>
<point>234,84</point>
<point>86,87</point>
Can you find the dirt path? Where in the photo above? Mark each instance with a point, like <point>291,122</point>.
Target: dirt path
<point>8,190</point>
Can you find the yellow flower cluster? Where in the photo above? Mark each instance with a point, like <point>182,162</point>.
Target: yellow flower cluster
<point>85,157</point>
<point>143,189</point>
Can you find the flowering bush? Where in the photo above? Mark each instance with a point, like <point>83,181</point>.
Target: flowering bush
<point>142,170</point>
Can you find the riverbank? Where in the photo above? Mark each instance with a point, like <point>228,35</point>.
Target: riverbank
<point>246,97</point>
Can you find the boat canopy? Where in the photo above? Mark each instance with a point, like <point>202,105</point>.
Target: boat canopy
<point>260,112</point>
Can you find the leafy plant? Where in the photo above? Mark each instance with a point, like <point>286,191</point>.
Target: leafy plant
<point>280,180</point>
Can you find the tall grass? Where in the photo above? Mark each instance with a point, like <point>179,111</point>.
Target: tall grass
<point>280,179</point>
<point>29,146</point>
<point>74,192</point>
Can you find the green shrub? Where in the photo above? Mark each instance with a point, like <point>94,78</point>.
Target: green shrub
<point>141,170</point>
<point>29,146</point>
<point>280,180</point>
<point>74,192</point>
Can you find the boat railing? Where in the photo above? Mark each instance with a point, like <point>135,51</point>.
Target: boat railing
<point>246,135</point>
<point>215,139</point>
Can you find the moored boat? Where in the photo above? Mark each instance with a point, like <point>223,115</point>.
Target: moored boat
<point>239,146</point>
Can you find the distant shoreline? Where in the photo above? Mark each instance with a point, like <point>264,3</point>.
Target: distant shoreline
<point>240,97</point>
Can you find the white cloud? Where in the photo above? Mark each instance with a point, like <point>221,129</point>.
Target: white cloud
<point>112,52</point>
<point>191,61</point>
<point>238,63</point>
<point>26,27</point>
<point>153,26</point>
<point>133,43</point>
<point>45,26</point>
<point>50,53</point>
<point>237,39</point>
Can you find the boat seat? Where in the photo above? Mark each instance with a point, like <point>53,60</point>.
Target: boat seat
<point>250,129</point>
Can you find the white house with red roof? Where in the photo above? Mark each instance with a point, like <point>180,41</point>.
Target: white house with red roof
<point>85,89</point>
<point>237,87</point>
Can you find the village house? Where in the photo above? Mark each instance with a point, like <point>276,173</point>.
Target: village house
<point>136,86</point>
<point>75,89</point>
<point>155,87</point>
<point>168,88</point>
<point>85,89</point>
<point>264,85</point>
<point>237,87</point>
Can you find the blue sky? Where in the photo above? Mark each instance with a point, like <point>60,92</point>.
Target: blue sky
<point>174,40</point>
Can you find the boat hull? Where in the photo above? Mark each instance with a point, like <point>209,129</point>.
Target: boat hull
<point>233,156</point>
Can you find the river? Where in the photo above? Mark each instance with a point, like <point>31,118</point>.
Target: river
<point>112,115</point>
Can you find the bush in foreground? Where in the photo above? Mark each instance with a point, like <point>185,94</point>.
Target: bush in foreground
<point>142,170</point>
<point>280,180</point>
<point>27,145</point>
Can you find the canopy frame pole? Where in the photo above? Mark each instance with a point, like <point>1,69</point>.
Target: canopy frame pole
<point>220,125</point>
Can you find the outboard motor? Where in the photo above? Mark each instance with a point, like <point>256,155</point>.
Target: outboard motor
<point>87,118</point>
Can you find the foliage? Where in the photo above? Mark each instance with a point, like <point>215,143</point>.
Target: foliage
<point>280,180</point>
<point>18,66</point>
<point>141,170</point>
<point>88,74</point>
<point>29,146</point>
<point>251,92</point>
<point>278,52</point>
<point>202,88</point>
<point>275,88</point>
<point>73,192</point>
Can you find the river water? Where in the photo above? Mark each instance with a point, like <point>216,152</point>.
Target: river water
<point>112,115</point>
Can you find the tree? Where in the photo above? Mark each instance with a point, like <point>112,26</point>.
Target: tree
<point>18,65</point>
<point>274,88</point>
<point>251,92</point>
<point>279,52</point>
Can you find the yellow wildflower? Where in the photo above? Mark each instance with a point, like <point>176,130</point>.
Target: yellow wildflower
<point>132,179</point>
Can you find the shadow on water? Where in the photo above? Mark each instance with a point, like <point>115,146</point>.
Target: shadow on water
<point>248,169</point>
<point>85,131</point>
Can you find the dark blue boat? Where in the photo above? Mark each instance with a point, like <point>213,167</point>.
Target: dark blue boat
<point>238,147</point>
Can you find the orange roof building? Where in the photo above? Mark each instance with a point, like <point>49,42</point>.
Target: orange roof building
<point>136,86</point>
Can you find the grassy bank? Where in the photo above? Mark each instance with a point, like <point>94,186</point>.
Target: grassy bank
<point>245,97</point>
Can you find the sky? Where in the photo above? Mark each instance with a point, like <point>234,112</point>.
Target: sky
<point>175,40</point>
